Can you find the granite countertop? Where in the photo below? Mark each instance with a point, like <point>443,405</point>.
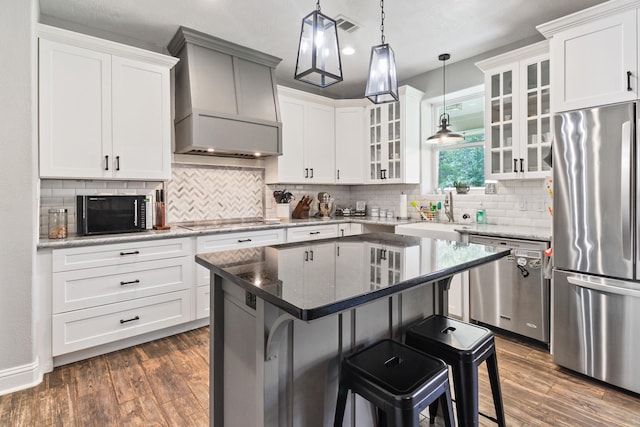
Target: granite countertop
<point>274,274</point>
<point>179,231</point>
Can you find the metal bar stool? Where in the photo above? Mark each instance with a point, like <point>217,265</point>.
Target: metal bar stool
<point>463,346</point>
<point>400,381</point>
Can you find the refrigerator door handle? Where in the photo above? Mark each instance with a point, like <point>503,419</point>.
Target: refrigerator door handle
<point>600,284</point>
<point>625,188</point>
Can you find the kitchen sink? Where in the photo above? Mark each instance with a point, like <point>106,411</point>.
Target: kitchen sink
<point>434,230</point>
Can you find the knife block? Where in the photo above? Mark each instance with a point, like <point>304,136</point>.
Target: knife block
<point>301,211</point>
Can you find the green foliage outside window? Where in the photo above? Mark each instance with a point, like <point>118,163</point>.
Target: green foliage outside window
<point>463,165</point>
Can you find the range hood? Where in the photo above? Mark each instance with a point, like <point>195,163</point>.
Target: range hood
<point>226,98</point>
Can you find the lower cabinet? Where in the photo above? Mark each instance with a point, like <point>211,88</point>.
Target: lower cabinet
<point>106,293</point>
<point>349,229</point>
<point>311,232</point>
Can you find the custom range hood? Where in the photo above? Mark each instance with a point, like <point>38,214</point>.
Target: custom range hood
<point>226,98</point>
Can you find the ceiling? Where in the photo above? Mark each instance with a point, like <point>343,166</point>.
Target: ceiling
<point>417,30</point>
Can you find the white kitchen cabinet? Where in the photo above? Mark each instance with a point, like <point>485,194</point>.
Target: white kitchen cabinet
<point>351,269</point>
<point>104,109</point>
<point>517,113</point>
<point>595,56</point>
<point>349,139</point>
<point>308,141</point>
<point>311,232</point>
<point>105,293</point>
<point>349,229</point>
<point>393,140</point>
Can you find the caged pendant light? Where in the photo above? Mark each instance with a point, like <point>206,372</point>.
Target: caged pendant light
<point>444,134</point>
<point>318,61</point>
<point>382,84</point>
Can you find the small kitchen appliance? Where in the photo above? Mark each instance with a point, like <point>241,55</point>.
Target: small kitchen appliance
<point>361,208</point>
<point>325,205</point>
<point>111,214</point>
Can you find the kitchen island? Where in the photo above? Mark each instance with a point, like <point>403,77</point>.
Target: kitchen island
<point>284,316</point>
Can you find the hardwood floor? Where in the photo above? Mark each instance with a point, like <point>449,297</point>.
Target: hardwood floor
<point>166,383</point>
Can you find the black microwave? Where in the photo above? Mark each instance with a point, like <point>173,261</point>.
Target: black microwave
<point>111,214</point>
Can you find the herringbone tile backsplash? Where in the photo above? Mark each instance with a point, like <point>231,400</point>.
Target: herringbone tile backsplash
<point>197,193</point>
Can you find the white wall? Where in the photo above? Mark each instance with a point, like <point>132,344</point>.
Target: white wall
<point>18,361</point>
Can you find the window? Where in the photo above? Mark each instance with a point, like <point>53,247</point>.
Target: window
<point>462,161</point>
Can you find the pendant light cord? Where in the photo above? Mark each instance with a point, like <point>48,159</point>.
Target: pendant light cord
<point>318,5</point>
<point>444,88</point>
<point>381,20</point>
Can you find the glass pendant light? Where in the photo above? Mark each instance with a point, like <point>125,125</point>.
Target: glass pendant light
<point>382,84</point>
<point>445,134</point>
<point>318,61</point>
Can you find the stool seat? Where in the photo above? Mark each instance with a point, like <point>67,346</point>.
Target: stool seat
<point>399,380</point>
<point>464,347</point>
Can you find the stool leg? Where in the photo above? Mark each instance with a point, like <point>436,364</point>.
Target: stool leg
<point>494,379</point>
<point>465,383</point>
<point>341,405</point>
<point>433,412</point>
<point>447,408</point>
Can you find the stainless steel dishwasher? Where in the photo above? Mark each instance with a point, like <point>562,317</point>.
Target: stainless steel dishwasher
<point>512,293</point>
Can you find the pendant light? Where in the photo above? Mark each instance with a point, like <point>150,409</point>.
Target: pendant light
<point>318,61</point>
<point>382,84</point>
<point>445,134</point>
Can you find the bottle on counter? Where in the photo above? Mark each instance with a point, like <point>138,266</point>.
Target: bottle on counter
<point>481,217</point>
<point>58,223</point>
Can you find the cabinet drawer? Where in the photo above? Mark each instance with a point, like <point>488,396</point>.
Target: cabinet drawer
<point>229,241</point>
<point>300,234</point>
<point>77,289</point>
<point>80,329</point>
<point>116,254</point>
<point>202,302</point>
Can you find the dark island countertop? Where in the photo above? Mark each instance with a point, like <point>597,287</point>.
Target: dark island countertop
<point>314,279</point>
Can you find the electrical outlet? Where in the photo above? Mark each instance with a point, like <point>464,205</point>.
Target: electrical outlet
<point>523,205</point>
<point>540,206</point>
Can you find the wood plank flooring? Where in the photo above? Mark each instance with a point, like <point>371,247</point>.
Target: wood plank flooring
<point>166,383</point>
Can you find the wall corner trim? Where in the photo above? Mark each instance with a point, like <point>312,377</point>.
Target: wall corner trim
<point>20,377</point>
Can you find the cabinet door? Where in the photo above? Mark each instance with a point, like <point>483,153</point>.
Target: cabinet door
<point>501,111</point>
<point>535,107</point>
<point>393,140</point>
<point>75,111</point>
<point>319,144</point>
<point>141,126</point>
<point>592,63</point>
<point>290,166</point>
<point>375,144</point>
<point>349,145</point>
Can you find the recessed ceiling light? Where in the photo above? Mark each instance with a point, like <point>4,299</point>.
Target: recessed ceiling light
<point>348,50</point>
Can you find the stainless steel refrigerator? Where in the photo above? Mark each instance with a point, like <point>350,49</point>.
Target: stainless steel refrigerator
<point>596,256</point>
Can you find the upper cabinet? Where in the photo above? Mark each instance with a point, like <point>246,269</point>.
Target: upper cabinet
<point>349,143</point>
<point>518,113</point>
<point>104,109</point>
<point>322,140</point>
<point>393,139</point>
<point>595,56</point>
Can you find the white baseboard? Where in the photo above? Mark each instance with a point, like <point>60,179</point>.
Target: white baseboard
<point>20,377</point>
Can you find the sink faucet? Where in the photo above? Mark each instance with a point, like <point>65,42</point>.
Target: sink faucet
<point>448,206</point>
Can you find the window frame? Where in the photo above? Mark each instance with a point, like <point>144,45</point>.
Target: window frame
<point>432,123</point>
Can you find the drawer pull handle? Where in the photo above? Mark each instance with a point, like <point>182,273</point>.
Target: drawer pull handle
<point>129,253</point>
<point>130,283</point>
<point>129,320</point>
<point>314,232</point>
<point>243,240</point>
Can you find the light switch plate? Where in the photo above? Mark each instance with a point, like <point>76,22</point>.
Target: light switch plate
<point>490,188</point>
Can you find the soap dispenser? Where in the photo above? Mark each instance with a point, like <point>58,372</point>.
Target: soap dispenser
<point>481,217</point>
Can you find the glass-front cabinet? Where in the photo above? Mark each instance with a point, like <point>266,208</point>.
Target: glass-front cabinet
<point>393,139</point>
<point>519,121</point>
